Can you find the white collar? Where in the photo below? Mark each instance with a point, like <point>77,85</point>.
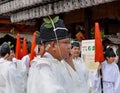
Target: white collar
<point>48,55</point>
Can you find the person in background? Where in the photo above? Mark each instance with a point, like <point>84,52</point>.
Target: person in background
<point>12,52</point>
<point>39,49</point>
<point>40,46</point>
<point>116,48</point>
<point>4,52</point>
<point>78,69</point>
<point>26,59</point>
<point>47,75</point>
<point>12,74</point>
<point>110,74</point>
<point>12,55</point>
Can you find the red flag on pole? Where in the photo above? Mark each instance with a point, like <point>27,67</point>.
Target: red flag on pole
<point>18,47</point>
<point>99,54</point>
<point>32,53</point>
<point>24,47</point>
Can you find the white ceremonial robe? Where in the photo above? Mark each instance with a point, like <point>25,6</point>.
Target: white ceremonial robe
<point>13,77</point>
<point>26,61</point>
<point>70,84</point>
<point>2,60</point>
<point>83,73</point>
<point>111,79</point>
<point>47,75</point>
<point>80,77</point>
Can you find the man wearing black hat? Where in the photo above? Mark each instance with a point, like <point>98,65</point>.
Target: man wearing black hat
<point>48,74</point>
<point>12,75</point>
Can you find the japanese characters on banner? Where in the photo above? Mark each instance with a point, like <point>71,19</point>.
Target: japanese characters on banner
<point>88,54</point>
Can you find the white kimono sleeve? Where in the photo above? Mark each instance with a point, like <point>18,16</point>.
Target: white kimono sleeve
<point>96,87</point>
<point>16,79</point>
<point>43,80</point>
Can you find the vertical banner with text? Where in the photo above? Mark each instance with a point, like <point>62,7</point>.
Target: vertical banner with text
<point>88,54</point>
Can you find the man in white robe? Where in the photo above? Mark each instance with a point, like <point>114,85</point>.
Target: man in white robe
<point>13,78</point>
<point>26,59</point>
<point>78,69</point>
<point>47,74</point>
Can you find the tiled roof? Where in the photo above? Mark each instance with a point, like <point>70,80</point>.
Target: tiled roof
<point>22,10</point>
<point>4,1</point>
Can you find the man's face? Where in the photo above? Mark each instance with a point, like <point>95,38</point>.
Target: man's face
<point>63,48</point>
<point>75,51</point>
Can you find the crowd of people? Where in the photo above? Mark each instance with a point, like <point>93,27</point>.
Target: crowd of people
<point>57,67</point>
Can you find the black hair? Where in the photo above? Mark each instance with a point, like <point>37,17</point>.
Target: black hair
<point>5,49</point>
<point>75,43</point>
<point>109,53</point>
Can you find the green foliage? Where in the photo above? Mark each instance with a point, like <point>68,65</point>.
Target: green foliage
<point>55,20</point>
<point>9,43</point>
<point>37,33</point>
<point>47,20</point>
<point>101,32</point>
<point>48,23</point>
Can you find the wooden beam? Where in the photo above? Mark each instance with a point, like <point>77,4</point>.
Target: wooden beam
<point>5,21</point>
<point>109,10</point>
<point>75,16</point>
<point>4,29</point>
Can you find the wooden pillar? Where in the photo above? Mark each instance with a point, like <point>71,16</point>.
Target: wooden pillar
<point>88,22</point>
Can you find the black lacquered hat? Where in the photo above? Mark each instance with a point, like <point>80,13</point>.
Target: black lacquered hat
<point>56,32</point>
